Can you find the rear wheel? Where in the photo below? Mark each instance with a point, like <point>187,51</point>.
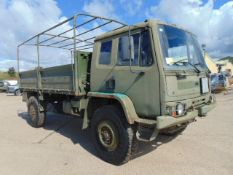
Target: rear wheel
<point>112,135</point>
<point>37,118</point>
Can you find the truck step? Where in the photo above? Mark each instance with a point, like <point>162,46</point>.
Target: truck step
<point>147,133</point>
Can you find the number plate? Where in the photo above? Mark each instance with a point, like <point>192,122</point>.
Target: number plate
<point>204,85</point>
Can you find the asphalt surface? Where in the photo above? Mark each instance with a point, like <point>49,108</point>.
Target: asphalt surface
<point>62,148</point>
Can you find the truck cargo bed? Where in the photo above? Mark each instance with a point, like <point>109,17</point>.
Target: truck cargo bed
<point>64,79</point>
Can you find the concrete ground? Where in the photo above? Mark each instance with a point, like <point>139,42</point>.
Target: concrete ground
<point>61,147</point>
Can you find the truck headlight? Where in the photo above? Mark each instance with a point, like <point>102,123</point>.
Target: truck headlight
<point>179,109</point>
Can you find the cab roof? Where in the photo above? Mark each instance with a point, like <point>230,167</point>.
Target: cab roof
<point>146,23</point>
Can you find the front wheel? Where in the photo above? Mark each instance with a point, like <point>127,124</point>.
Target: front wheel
<point>112,135</point>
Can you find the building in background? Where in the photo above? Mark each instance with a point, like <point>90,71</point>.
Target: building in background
<point>213,67</point>
<point>226,65</point>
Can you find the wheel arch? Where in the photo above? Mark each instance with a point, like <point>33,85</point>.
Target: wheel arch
<point>117,98</point>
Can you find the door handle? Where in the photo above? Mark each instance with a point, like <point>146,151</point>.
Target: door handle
<point>180,76</point>
<point>110,84</point>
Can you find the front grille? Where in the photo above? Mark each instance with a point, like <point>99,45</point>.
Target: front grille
<point>11,89</point>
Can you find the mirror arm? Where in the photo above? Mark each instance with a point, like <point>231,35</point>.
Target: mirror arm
<point>130,53</point>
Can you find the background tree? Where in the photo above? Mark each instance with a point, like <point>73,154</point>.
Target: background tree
<point>11,72</point>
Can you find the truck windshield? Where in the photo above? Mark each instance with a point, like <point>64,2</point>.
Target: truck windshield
<point>180,48</point>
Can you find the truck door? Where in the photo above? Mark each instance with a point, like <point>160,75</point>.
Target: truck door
<point>131,71</point>
<point>102,65</point>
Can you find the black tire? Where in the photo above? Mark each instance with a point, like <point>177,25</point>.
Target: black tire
<point>36,118</point>
<point>17,92</point>
<point>59,108</point>
<point>121,129</point>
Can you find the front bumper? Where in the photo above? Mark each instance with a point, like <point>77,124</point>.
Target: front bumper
<point>163,122</point>
<point>202,111</point>
<point>169,121</point>
<point>11,90</point>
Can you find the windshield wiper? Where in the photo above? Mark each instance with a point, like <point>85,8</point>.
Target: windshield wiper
<point>193,65</point>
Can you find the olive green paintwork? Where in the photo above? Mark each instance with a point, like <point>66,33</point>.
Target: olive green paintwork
<point>126,103</point>
<point>145,93</point>
<point>202,111</point>
<point>58,79</point>
<point>154,88</point>
<point>168,121</point>
<point>140,84</point>
<point>124,100</point>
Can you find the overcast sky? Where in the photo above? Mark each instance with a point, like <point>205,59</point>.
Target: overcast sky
<point>211,21</point>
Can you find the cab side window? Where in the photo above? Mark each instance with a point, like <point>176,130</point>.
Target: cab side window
<point>105,53</point>
<point>140,53</point>
<point>146,50</point>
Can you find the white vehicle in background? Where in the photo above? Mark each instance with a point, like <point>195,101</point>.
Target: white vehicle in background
<point>10,86</point>
<point>12,82</point>
<point>3,85</point>
<point>13,87</point>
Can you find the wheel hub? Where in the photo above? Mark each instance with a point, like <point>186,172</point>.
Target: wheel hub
<point>107,135</point>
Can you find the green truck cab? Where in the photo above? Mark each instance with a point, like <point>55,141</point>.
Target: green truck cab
<point>136,82</point>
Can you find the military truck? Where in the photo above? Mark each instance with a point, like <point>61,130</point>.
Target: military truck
<point>129,83</point>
